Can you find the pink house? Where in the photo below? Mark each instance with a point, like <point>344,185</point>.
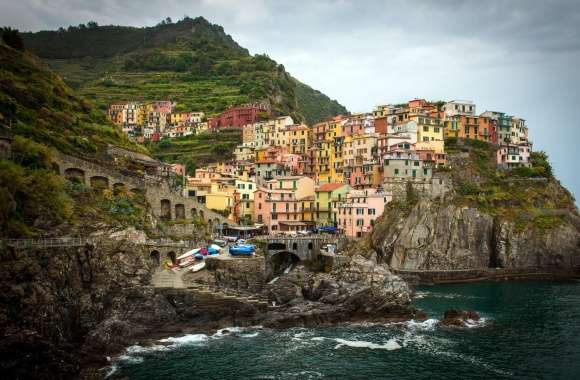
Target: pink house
<point>292,162</point>
<point>511,156</point>
<point>285,204</point>
<point>357,214</point>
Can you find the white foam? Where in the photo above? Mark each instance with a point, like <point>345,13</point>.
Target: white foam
<point>252,335</point>
<point>427,325</point>
<point>131,359</point>
<point>112,370</point>
<point>471,324</point>
<point>318,338</point>
<point>390,345</point>
<point>186,340</point>
<point>136,349</point>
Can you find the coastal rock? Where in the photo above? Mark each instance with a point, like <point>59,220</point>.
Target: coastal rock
<point>441,237</point>
<point>459,318</point>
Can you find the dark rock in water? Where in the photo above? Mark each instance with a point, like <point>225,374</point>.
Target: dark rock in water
<point>226,332</point>
<point>459,318</point>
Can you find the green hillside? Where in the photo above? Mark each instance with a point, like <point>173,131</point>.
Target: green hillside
<point>198,150</point>
<point>38,105</point>
<point>42,115</point>
<point>192,62</point>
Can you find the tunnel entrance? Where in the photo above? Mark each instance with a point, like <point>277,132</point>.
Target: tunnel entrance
<point>155,258</point>
<point>283,262</point>
<point>173,257</point>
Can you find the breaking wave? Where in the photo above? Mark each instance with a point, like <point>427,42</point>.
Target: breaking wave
<point>390,345</point>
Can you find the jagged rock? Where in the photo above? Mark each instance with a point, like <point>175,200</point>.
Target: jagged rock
<point>435,236</point>
<point>459,318</point>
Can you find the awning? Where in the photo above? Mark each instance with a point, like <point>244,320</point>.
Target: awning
<point>294,223</point>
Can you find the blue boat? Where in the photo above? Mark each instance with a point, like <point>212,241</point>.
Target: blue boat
<point>198,256</point>
<point>212,251</point>
<point>242,250</point>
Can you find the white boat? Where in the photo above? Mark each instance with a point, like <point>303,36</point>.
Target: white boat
<point>187,258</point>
<point>197,267</point>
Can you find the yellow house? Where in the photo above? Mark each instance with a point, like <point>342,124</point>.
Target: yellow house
<point>221,198</point>
<point>141,114</point>
<point>245,189</point>
<point>179,117</point>
<point>327,195</point>
<point>299,139</point>
<point>323,161</point>
<point>429,134</point>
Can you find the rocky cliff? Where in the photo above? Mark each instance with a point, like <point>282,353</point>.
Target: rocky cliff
<point>517,220</point>
<point>435,236</point>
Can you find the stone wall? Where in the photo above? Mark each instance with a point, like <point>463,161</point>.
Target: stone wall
<point>241,274</point>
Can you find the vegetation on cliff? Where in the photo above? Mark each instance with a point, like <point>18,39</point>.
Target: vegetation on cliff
<point>191,61</point>
<point>43,115</point>
<point>526,196</point>
<point>37,104</point>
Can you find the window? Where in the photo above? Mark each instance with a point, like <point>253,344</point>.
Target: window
<point>416,163</point>
<point>249,186</point>
<point>359,222</point>
<point>425,129</point>
<point>274,227</point>
<point>396,171</point>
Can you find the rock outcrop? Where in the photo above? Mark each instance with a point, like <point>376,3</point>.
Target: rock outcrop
<point>459,318</point>
<point>435,236</point>
<point>362,289</point>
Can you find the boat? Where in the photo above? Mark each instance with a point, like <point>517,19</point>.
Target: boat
<point>241,250</point>
<point>197,267</point>
<point>187,258</point>
<point>198,256</point>
<point>216,247</point>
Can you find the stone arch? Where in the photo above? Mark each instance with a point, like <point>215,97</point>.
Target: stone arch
<point>99,183</point>
<point>75,175</point>
<point>165,210</point>
<point>179,211</point>
<point>294,246</point>
<point>155,257</point>
<point>310,246</point>
<point>283,261</point>
<point>171,255</point>
<point>119,187</point>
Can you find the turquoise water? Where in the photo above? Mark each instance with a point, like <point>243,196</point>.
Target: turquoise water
<point>531,331</point>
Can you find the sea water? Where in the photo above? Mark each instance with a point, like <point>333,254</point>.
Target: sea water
<point>529,330</point>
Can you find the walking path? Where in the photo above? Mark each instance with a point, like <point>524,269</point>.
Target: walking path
<point>168,278</point>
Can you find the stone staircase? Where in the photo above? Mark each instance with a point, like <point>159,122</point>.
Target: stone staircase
<point>231,294</point>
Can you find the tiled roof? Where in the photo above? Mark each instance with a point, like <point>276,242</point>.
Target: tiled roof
<point>329,186</point>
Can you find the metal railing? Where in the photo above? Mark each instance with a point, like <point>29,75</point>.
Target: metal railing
<point>81,241</point>
<point>46,243</point>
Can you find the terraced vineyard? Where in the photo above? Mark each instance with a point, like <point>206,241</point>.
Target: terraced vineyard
<point>194,151</point>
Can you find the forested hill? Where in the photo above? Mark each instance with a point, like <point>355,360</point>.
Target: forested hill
<point>37,105</point>
<point>191,61</point>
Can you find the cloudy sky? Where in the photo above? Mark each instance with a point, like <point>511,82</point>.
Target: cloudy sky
<point>519,56</point>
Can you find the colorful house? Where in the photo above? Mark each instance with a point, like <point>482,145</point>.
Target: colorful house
<point>285,204</point>
<point>357,214</point>
<point>326,197</point>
